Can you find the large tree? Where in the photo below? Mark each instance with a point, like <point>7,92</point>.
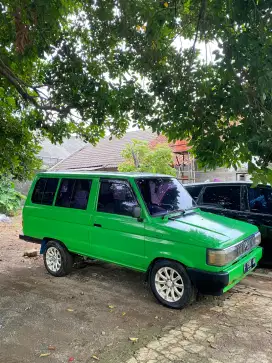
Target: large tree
<point>87,66</point>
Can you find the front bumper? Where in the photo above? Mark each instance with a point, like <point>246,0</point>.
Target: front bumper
<point>216,283</point>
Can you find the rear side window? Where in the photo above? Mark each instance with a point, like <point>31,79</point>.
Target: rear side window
<point>74,193</point>
<point>44,191</point>
<point>193,190</point>
<point>116,197</point>
<point>227,197</point>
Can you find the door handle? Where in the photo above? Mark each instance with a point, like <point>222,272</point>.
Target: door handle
<point>97,225</point>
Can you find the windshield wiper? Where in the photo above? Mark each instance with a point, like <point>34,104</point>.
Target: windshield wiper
<point>181,211</point>
<point>177,211</point>
<point>191,208</point>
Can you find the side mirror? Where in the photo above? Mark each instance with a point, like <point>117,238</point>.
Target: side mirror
<point>136,212</point>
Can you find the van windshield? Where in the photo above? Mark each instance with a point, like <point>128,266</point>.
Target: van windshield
<point>164,195</point>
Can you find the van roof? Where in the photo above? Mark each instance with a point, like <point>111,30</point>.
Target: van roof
<point>103,174</point>
<point>220,183</point>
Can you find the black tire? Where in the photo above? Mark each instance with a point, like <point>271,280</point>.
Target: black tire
<point>65,259</point>
<point>188,293</point>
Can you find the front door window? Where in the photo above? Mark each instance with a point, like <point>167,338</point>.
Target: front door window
<point>116,197</point>
<point>226,197</point>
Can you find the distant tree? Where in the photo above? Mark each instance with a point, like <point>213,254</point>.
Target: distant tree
<point>139,156</point>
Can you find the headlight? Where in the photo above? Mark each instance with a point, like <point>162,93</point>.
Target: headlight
<point>258,238</point>
<point>225,256</point>
<point>221,257</point>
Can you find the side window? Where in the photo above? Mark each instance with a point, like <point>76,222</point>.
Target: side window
<point>116,197</point>
<point>193,190</point>
<point>260,200</point>
<point>38,191</point>
<point>44,191</point>
<point>228,197</point>
<point>73,193</point>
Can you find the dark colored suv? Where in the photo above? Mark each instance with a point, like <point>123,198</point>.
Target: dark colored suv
<point>239,200</point>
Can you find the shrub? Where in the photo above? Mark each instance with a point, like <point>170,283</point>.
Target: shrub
<point>139,156</point>
<point>10,199</point>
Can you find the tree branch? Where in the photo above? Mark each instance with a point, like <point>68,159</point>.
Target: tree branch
<point>21,86</point>
<point>16,84</point>
<point>200,15</point>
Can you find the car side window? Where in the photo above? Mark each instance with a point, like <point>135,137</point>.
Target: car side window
<point>73,193</point>
<point>116,197</point>
<point>227,196</point>
<point>44,191</point>
<point>260,200</point>
<point>194,190</point>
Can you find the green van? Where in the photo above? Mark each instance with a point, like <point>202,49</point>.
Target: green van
<point>147,222</point>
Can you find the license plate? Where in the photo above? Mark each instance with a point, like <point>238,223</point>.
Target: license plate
<point>249,265</point>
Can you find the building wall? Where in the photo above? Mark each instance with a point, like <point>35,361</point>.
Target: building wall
<point>221,175</point>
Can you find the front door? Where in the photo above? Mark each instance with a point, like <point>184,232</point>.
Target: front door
<point>117,236</point>
<point>222,199</point>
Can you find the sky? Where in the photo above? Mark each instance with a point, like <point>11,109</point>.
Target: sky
<point>206,50</point>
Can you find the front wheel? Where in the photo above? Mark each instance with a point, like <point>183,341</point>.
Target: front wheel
<point>171,285</point>
<point>57,259</point>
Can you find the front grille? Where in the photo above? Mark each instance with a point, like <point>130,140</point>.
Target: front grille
<point>246,245</point>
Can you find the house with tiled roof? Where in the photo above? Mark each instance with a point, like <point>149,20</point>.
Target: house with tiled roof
<point>106,156</point>
<point>51,154</point>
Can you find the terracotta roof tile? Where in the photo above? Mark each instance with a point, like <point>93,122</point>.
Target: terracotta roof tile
<point>180,146</point>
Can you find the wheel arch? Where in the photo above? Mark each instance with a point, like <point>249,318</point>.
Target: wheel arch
<point>152,263</point>
<point>45,240</point>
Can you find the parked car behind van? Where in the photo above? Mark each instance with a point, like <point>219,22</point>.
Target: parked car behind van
<point>240,201</point>
<point>146,222</point>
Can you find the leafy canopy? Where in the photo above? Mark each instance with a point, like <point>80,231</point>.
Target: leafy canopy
<point>140,157</point>
<point>87,66</point>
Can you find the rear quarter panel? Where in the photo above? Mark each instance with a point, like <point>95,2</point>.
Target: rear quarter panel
<point>68,225</point>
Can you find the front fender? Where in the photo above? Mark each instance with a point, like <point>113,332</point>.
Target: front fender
<point>188,255</point>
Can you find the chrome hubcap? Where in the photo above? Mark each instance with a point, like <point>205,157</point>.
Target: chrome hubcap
<point>53,259</point>
<point>169,284</point>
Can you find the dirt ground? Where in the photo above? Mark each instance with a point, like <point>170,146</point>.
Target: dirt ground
<point>92,313</point>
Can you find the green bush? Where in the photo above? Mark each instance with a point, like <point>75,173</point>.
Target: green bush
<point>139,156</point>
<point>10,199</point>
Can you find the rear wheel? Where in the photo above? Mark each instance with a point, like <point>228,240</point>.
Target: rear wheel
<point>57,259</point>
<point>171,285</point>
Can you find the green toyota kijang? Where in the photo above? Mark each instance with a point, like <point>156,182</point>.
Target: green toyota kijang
<point>146,222</point>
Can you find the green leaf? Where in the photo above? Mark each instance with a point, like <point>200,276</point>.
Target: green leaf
<point>99,74</point>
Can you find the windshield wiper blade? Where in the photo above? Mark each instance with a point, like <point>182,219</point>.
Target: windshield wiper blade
<point>177,211</point>
<point>181,211</point>
<point>191,208</point>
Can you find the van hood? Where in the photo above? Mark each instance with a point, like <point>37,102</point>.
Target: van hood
<point>219,231</point>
